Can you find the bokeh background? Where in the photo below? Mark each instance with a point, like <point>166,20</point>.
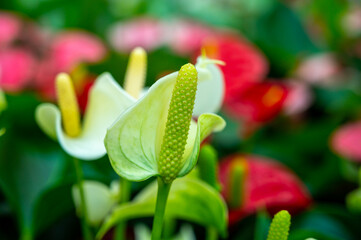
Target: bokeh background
<point>292,94</point>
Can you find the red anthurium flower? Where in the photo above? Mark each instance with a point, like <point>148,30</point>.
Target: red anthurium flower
<point>16,69</point>
<point>346,141</point>
<point>9,28</point>
<point>244,64</point>
<point>257,102</point>
<point>267,185</point>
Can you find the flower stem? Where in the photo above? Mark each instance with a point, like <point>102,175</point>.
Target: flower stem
<point>162,196</point>
<point>124,188</point>
<point>84,211</point>
<point>212,234</point>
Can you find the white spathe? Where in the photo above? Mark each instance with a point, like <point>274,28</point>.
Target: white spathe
<point>107,100</point>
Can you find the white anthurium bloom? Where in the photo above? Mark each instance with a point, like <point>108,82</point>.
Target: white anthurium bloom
<point>100,199</point>
<point>134,141</point>
<point>107,100</point>
<point>210,91</point>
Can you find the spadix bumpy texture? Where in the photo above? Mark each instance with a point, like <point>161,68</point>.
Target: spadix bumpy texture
<point>68,105</point>
<point>178,122</point>
<point>280,226</point>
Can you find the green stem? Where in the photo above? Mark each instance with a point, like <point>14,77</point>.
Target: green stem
<point>26,234</point>
<point>169,228</point>
<point>212,233</point>
<point>162,196</point>
<point>124,188</point>
<point>84,211</point>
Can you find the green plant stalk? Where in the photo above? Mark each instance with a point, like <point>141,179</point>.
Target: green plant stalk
<point>26,234</point>
<point>212,234</point>
<point>124,191</point>
<point>84,211</point>
<point>162,196</point>
<point>169,228</point>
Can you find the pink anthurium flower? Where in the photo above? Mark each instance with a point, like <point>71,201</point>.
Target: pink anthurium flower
<point>346,141</point>
<point>16,69</point>
<point>142,32</point>
<point>299,97</point>
<point>9,28</point>
<point>186,37</point>
<point>67,52</point>
<point>267,184</point>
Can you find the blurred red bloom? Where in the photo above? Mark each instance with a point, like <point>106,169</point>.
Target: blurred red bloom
<point>244,63</point>
<point>67,51</point>
<point>257,102</point>
<point>268,185</point>
<point>9,28</point>
<point>16,69</point>
<point>346,141</point>
<point>142,32</point>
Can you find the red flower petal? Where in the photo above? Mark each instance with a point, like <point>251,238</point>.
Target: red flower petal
<point>346,141</point>
<point>244,63</point>
<point>257,102</point>
<point>269,185</point>
<point>16,69</point>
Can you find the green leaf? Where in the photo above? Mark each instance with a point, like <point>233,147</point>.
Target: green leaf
<point>30,177</point>
<point>189,199</point>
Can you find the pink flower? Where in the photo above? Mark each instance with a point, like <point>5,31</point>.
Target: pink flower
<point>321,69</point>
<point>346,141</point>
<point>9,28</point>
<point>186,37</point>
<point>16,69</point>
<point>72,48</point>
<point>299,98</point>
<point>142,32</point>
<point>268,185</point>
<point>67,51</point>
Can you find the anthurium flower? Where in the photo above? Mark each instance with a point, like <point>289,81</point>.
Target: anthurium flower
<point>259,102</point>
<point>140,32</point>
<point>134,142</point>
<point>345,141</point>
<point>298,99</point>
<point>66,52</point>
<point>244,63</point>
<point>267,184</point>
<point>9,28</point>
<point>97,194</point>
<point>84,141</point>
<point>23,62</point>
<point>280,226</point>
